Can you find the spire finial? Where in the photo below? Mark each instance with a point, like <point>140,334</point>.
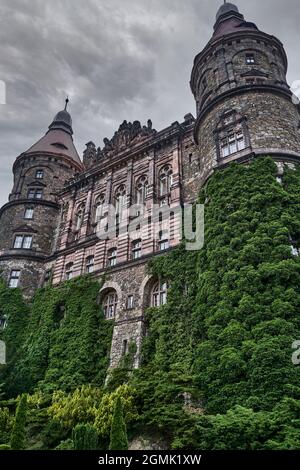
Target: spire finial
<point>67,101</point>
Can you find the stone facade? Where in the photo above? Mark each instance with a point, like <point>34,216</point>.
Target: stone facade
<point>244,109</point>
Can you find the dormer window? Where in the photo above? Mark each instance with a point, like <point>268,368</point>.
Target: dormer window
<point>39,174</point>
<point>250,59</point>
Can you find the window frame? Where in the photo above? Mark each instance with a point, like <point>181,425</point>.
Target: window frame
<point>159,293</point>
<point>136,249</point>
<point>90,264</point>
<point>13,277</point>
<point>112,257</point>
<point>31,210</point>
<point>110,305</point>
<point>39,174</point>
<point>21,242</point>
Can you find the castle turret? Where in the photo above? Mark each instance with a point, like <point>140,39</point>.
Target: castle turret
<point>244,105</point>
<point>29,220</point>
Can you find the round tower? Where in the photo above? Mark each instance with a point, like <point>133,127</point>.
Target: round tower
<point>29,220</point>
<point>244,104</point>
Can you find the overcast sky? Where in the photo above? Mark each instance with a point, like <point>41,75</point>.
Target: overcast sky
<point>116,59</point>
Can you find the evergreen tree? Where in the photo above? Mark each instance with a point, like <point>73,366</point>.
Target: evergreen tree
<point>118,433</point>
<point>85,437</point>
<point>18,432</point>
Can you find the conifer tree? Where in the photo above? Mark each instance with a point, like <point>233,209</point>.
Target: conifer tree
<point>18,432</point>
<point>85,437</point>
<point>118,433</point>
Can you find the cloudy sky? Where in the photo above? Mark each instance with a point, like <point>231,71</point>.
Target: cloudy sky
<point>116,59</point>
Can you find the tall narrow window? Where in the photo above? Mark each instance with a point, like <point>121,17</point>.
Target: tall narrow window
<point>79,218</point>
<point>163,242</point>
<point>129,304</point>
<point>125,347</point>
<point>136,249</point>
<point>165,183</point>
<point>110,303</point>
<point>141,191</point>
<point>28,213</point>
<point>39,174</point>
<point>120,203</point>
<point>99,208</point>
<point>89,265</point>
<point>69,271</point>
<point>14,279</point>
<point>159,293</point>
<point>112,257</point>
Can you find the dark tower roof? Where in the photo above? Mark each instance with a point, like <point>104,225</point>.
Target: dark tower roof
<point>58,139</point>
<point>230,20</point>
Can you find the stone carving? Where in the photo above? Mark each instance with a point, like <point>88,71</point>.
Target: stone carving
<point>89,155</point>
<point>129,134</point>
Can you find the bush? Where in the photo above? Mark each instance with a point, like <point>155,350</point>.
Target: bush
<point>18,432</point>
<point>118,433</point>
<point>85,437</point>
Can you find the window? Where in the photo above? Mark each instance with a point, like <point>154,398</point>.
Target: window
<point>120,203</point>
<point>165,181</point>
<point>3,322</point>
<point>39,174</point>
<point>163,243</point>
<point>250,59</point>
<point>159,294</point>
<point>14,279</point>
<point>23,242</point>
<point>112,257</point>
<point>28,214</point>
<point>89,265</point>
<point>232,143</point>
<point>69,271</point>
<point>99,208</point>
<point>79,218</point>
<point>110,303</point>
<point>129,304</point>
<point>136,249</point>
<point>141,190</point>
<point>125,347</point>
<point>35,194</point>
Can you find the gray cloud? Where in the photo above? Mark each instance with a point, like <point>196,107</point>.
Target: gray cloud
<point>116,59</point>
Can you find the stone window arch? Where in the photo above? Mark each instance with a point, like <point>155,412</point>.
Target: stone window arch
<point>99,208</point>
<point>120,201</point>
<point>110,304</point>
<point>141,190</point>
<point>79,217</point>
<point>165,182</point>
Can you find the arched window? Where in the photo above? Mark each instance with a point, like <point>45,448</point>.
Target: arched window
<point>165,183</point>
<point>110,304</point>
<point>120,201</point>
<point>112,257</point>
<point>141,190</point>
<point>79,217</point>
<point>69,271</point>
<point>99,208</point>
<point>159,293</point>
<point>89,264</point>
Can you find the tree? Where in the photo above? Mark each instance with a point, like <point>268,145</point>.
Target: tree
<point>85,437</point>
<point>118,433</point>
<point>18,432</point>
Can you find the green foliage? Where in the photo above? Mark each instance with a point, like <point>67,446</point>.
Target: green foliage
<point>68,444</point>
<point>6,425</point>
<point>77,407</point>
<point>104,414</point>
<point>225,336</point>
<point>4,447</point>
<point>118,433</point>
<point>18,433</point>
<point>85,437</point>
<point>64,325</point>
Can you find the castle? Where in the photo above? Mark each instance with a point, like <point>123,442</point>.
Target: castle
<point>48,229</point>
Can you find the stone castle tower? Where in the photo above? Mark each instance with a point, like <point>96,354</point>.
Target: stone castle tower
<point>48,229</point>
